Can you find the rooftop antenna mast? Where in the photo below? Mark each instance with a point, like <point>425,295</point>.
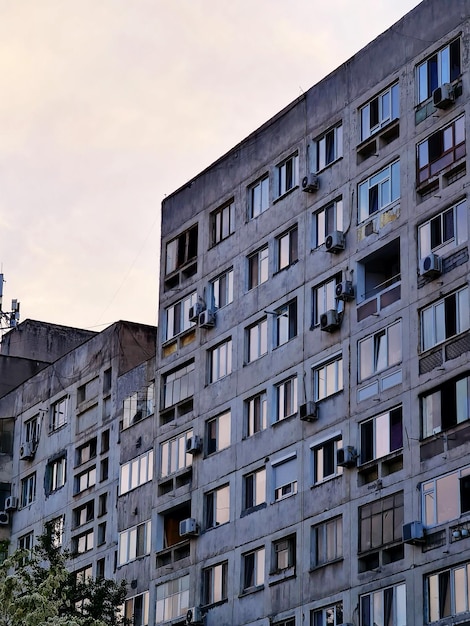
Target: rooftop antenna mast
<point>8,319</point>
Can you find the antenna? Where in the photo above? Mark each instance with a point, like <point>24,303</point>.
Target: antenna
<point>10,318</point>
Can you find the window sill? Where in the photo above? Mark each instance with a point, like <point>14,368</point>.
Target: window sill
<point>327,166</point>
<point>217,243</point>
<point>286,193</point>
<point>319,567</point>
<point>325,480</point>
<point>280,576</point>
<point>284,419</point>
<point>283,269</point>
<point>250,591</point>
<point>253,509</point>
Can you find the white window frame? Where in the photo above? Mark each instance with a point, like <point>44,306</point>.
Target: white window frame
<point>173,455</point>
<point>327,220</point>
<point>129,540</point>
<point>443,61</point>
<point>328,377</point>
<point>286,398</point>
<point>258,267</point>
<point>283,554</point>
<point>434,320</point>
<point>374,604</point>
<point>56,474</point>
<point>217,507</point>
<point>380,351</point>
<point>256,340</point>
<point>445,487</point>
<point>136,609</point>
<point>136,472</point>
<point>177,316</point>
<point>328,147</point>
<point>387,182</point>
<point>285,323</point>
<point>220,360</point>
<point>215,583</point>
<point>287,248</point>
<point>284,477</point>
<point>387,105</point>
<point>327,541</point>
<point>172,599</point>
<point>222,222</point>
<point>85,480</point>
<point>178,384</point>
<point>221,438</point>
<point>31,429</point>
<point>84,542</point>
<point>287,174</point>
<point>258,197</point>
<point>221,290</point>
<point>453,218</point>
<point>324,463</point>
<point>457,598</point>
<point>256,414</point>
<point>253,569</point>
<point>28,489</point>
<point>59,413</point>
<point>254,489</point>
<point>324,297</point>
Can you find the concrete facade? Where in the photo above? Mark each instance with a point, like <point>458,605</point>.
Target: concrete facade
<point>321,427</point>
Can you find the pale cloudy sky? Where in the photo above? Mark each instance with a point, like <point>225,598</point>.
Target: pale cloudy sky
<point>108,105</point>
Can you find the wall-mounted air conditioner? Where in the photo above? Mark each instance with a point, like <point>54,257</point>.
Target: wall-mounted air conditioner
<point>310,183</point>
<point>443,97</point>
<point>4,518</point>
<point>431,266</point>
<point>207,319</point>
<point>193,444</point>
<point>27,451</point>
<point>308,411</point>
<point>330,321</point>
<point>195,311</point>
<point>11,503</point>
<point>346,457</point>
<point>335,242</point>
<point>344,290</point>
<point>413,533</point>
<point>194,615</point>
<point>188,527</point>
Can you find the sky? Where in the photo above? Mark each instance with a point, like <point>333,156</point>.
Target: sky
<point>108,106</point>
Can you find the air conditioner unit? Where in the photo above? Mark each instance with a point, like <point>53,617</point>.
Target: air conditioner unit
<point>413,533</point>
<point>344,290</point>
<point>431,266</point>
<point>207,319</point>
<point>329,321</point>
<point>310,183</point>
<point>195,311</point>
<point>27,451</point>
<point>308,411</point>
<point>335,242</point>
<point>188,527</point>
<point>346,457</point>
<point>4,518</point>
<point>194,615</point>
<point>11,503</point>
<point>193,444</point>
<point>444,96</point>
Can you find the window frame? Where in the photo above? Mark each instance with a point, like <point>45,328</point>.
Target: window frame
<point>434,419</point>
<point>222,222</point>
<point>432,155</point>
<point>391,95</point>
<point>177,316</point>
<point>258,267</point>
<point>90,474</point>
<point>324,455</point>
<point>221,290</point>
<point>256,340</point>
<point>184,252</point>
<point>285,323</point>
<point>441,487</point>
<point>327,541</point>
<point>256,414</point>
<point>171,447</point>
<point>216,438</point>
<point>331,615</point>
<point>253,569</point>
<point>370,203</point>
<point>254,489</point>
<point>283,554</point>
<point>287,173</point>
<point>130,612</point>
<point>136,472</point>
<point>432,237</point>
<point>217,507</point>
<point>374,601</point>
<point>386,518</point>
<point>380,362</point>
<point>450,605</point>
<point>56,474</point>
<point>132,540</point>
<point>178,379</point>
<point>441,74</point>
<point>379,432</point>
<point>328,147</point>
<point>215,583</point>
<point>287,402</point>
<point>59,414</point>
<point>166,607</point>
<point>283,470</point>
<point>258,189</point>
<point>326,220</point>
<point>433,337</point>
<point>287,248</point>
<point>220,361</point>
<point>331,367</point>
<point>28,490</point>
<point>324,298</point>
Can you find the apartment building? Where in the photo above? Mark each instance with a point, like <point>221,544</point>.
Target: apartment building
<point>312,432</point>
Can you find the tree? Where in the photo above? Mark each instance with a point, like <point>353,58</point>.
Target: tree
<point>36,589</point>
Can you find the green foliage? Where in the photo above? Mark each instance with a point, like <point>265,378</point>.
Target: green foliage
<point>36,589</point>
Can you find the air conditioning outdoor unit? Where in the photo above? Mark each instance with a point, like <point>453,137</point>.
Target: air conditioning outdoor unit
<point>413,533</point>
<point>194,615</point>
<point>444,96</point>
<point>308,411</point>
<point>345,290</point>
<point>195,311</point>
<point>329,321</point>
<point>431,266</point>
<point>4,518</point>
<point>188,527</point>
<point>207,319</point>
<point>27,451</point>
<point>193,444</point>
<point>310,183</point>
<point>335,242</point>
<point>11,503</point>
<point>346,457</point>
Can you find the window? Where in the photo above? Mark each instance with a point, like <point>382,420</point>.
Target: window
<point>218,433</point>
<point>59,414</point>
<point>214,582</point>
<point>222,223</point>
<point>256,337</point>
<point>31,430</point>
<point>217,507</point>
<point>258,267</point>
<point>258,197</point>
<point>177,316</point>
<point>328,148</point>
<point>445,318</point>
<point>327,541</point>
<point>26,542</point>
<point>324,298</point>
<point>328,378</point>
<point>28,490</point>
<point>172,599</point>
<point>173,455</point>
<point>379,272</point>
<point>88,391</point>
<point>104,469</point>
<point>134,542</point>
<point>329,616</point>
<point>136,610</point>
<point>443,232</point>
<point>107,380</point>
<point>102,504</point>
<point>381,435</point>
<point>442,67</point>
<point>447,592</point>
<point>325,221</point>
<point>283,554</point>
<point>256,409</point>
<point>253,569</point>
<point>138,405</point>
<point>83,514</point>
<point>380,522</point>
<point>379,191</point>
<point>379,351</point>
<point>83,543</point>
<point>86,452</point>
<point>181,250</point>
<point>286,398</point>
<point>286,323</point>
<point>287,249</point>
<point>380,111</point>
<point>178,385</point>
<point>441,149</point>
<point>136,472</point>
<point>56,529</point>
<point>446,498</point>
<point>55,475</point>
<point>385,606</point>
<point>83,575</point>
<point>285,478</point>
<point>324,460</point>
<point>221,289</point>
<point>85,480</point>
<point>445,406</point>
<point>220,361</point>
<point>288,174</point>
<point>254,489</point>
